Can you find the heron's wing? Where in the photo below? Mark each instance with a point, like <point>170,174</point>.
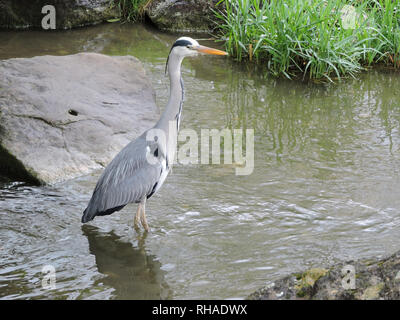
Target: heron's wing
<point>130,176</point>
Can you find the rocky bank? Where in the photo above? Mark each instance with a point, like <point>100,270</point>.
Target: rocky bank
<point>182,16</point>
<point>24,14</point>
<point>371,279</point>
<point>168,15</point>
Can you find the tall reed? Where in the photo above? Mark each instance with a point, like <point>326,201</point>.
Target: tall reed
<point>316,38</point>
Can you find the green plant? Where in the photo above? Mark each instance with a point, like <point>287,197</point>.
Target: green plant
<point>316,38</point>
<point>132,10</point>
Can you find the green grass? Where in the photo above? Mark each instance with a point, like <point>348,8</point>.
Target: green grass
<point>131,10</point>
<point>312,37</point>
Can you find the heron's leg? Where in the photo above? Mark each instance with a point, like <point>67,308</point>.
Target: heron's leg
<point>143,219</point>
<point>137,216</point>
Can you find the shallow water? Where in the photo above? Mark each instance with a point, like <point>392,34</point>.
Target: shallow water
<point>325,186</point>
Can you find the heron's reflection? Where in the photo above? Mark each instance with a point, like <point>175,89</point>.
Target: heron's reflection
<point>129,270</point>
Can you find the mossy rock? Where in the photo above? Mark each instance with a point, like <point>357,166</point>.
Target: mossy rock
<point>372,292</point>
<point>307,279</point>
<point>374,279</point>
<point>182,16</point>
<point>23,14</point>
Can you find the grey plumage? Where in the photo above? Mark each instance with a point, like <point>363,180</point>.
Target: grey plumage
<point>128,178</point>
<point>140,169</point>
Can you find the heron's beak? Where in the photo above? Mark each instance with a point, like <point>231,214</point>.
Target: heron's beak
<point>208,50</point>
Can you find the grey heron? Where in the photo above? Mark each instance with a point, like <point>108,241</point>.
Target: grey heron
<point>139,169</point>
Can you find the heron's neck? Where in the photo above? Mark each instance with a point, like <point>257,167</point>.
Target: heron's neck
<point>173,110</point>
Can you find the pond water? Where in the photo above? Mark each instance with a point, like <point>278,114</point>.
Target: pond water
<point>325,186</point>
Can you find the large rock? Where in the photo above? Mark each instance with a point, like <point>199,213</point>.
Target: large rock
<point>24,14</point>
<point>61,117</point>
<point>182,16</point>
<point>352,280</point>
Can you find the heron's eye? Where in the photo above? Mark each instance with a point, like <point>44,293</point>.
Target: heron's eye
<point>189,46</point>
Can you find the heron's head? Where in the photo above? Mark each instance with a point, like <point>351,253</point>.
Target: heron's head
<point>188,47</point>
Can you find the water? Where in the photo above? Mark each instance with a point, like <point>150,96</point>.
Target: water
<point>325,186</point>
